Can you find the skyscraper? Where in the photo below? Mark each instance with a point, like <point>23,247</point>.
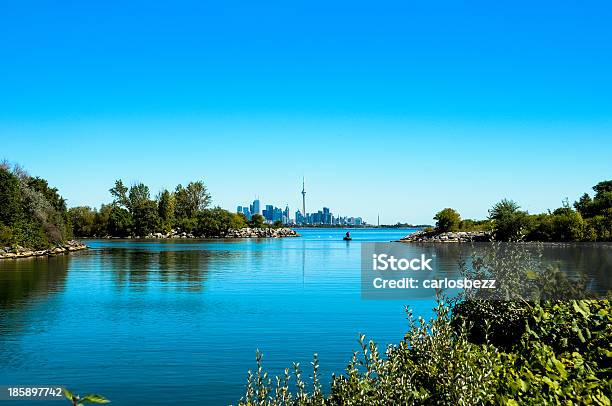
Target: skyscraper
<point>303,198</point>
<point>256,209</point>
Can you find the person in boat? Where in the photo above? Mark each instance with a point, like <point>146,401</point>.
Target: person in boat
<point>348,235</point>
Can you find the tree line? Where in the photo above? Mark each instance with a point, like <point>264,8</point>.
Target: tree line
<point>32,213</point>
<point>35,215</point>
<point>588,219</point>
<point>133,213</point>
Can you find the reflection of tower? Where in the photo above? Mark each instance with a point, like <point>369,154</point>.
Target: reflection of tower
<point>303,200</point>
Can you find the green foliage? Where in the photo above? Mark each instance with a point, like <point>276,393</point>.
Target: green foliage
<point>10,197</point>
<point>599,228</point>
<point>590,219</point>
<point>475,225</point>
<point>32,214</point>
<point>77,400</point>
<point>83,220</point>
<point>447,220</point>
<point>217,222</point>
<point>191,199</point>
<point>119,193</point>
<point>6,235</point>
<point>563,357</point>
<point>165,209</point>
<point>564,224</point>
<point>509,223</point>
<point>120,222</point>
<point>257,221</point>
<point>29,233</point>
<point>145,217</point>
<point>583,205</point>
<point>138,196</point>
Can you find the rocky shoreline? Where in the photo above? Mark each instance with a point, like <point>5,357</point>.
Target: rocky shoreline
<point>21,252</point>
<point>235,233</point>
<point>451,236</point>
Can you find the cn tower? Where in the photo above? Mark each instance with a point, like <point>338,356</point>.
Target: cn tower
<point>303,199</point>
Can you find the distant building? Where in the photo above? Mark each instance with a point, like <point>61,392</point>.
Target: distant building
<point>255,207</point>
<point>273,214</point>
<point>244,210</point>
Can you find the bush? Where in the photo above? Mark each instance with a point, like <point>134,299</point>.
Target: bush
<point>32,214</point>
<point>120,222</point>
<point>257,221</point>
<point>146,218</point>
<point>447,220</point>
<point>509,223</point>
<point>475,225</point>
<point>83,221</point>
<point>217,222</point>
<point>6,235</point>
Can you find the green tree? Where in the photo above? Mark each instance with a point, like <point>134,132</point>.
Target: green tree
<point>257,221</point>
<point>120,222</point>
<point>10,197</point>
<point>119,193</point>
<point>82,219</point>
<point>602,188</point>
<point>447,220</point>
<point>51,194</point>
<point>165,209</point>
<point>191,199</point>
<point>101,220</point>
<point>509,223</point>
<point>146,219</point>
<point>568,225</point>
<point>138,196</point>
<point>583,205</point>
<point>215,222</point>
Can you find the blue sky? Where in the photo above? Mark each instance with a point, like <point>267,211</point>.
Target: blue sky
<point>397,108</point>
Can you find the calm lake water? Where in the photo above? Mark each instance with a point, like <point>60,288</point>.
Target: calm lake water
<point>164,322</point>
<point>152,322</point>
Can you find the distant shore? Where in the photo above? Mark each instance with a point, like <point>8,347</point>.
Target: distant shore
<point>450,236</point>
<point>245,232</point>
<point>18,251</point>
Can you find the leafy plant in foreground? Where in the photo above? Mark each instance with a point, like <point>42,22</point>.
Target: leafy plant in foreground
<point>79,401</point>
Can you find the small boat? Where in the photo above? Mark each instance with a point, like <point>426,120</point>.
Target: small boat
<point>347,238</point>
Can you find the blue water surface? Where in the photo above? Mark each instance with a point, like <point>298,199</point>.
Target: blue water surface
<point>161,322</point>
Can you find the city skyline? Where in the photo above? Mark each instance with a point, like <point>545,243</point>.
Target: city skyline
<point>273,214</point>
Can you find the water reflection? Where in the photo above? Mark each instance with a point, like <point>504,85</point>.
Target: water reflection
<point>139,269</point>
<point>27,279</point>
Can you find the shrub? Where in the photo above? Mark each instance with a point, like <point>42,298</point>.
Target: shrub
<point>83,221</point>
<point>217,222</point>
<point>257,221</point>
<point>120,222</point>
<point>509,223</point>
<point>447,220</point>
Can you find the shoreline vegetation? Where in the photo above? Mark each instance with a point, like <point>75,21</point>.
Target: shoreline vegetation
<point>589,219</point>
<point>246,232</point>
<point>35,220</point>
